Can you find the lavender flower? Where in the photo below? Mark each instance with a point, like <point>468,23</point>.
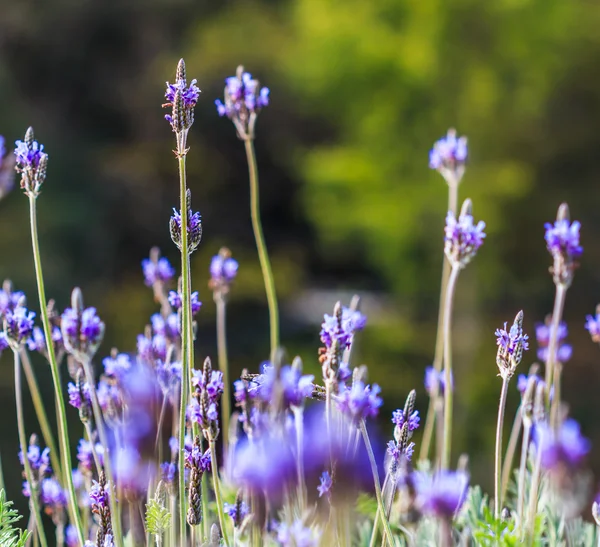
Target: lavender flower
<point>203,416</point>
<point>182,99</point>
<point>399,419</point>
<point>194,229</point>
<point>297,534</point>
<point>237,511</point>
<point>511,345</point>
<point>3,342</point>
<point>175,301</point>
<point>37,342</point>
<point>85,455</point>
<point>398,451</point>
<point>168,472</point>
<point>324,488</point>
<point>39,460</point>
<point>194,457</point>
<point>32,163</point>
<point>79,395</point>
<point>442,494</point>
<point>117,366</point>
<point>566,447</point>
<point>9,300</point>
<point>360,401</point>
<point>223,270</point>
<point>82,331</point>
<point>448,156</point>
<point>169,377</point>
<point>71,537</point>
<point>592,324</point>
<point>7,170</point>
<point>18,324</point>
<point>152,350</point>
<point>542,334</point>
<point>296,387</point>
<point>211,382</point>
<point>244,98</point>
<point>562,241</point>
<point>157,270</point>
<point>52,495</point>
<point>351,322</point>
<point>463,238</point>
<point>435,381</point>
<point>169,328</point>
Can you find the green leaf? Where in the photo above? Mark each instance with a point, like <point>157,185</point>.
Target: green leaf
<point>10,536</point>
<point>158,517</point>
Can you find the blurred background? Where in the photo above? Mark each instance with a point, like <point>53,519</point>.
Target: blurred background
<point>359,93</point>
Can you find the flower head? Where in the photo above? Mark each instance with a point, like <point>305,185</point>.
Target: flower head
<point>182,100</point>
<point>435,381</point>
<point>39,460</point>
<point>176,301</point>
<point>9,300</point>
<point>511,345</point>
<point>562,241</point>
<point>85,454</point>
<point>18,324</point>
<point>237,511</point>
<point>442,494</point>
<point>592,324</point>
<point>157,269</point>
<point>194,229</point>
<point>463,237</point>
<point>37,341</point>
<point>223,270</point>
<point>244,99</point>
<point>566,447</point>
<point>448,156</point>
<point>342,329</point>
<point>542,334</point>
<point>116,366</point>
<point>297,534</point>
<point>31,163</point>
<point>52,495</point>
<point>7,170</point>
<point>324,487</point>
<point>399,419</point>
<point>295,386</point>
<point>360,401</point>
<point>82,331</point>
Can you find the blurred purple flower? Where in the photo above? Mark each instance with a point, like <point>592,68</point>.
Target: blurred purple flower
<point>232,510</point>
<point>592,324</point>
<point>19,324</point>
<point>296,387</point>
<point>324,488</point>
<point>463,237</point>
<point>562,238</point>
<point>352,322</point>
<point>175,301</point>
<point>566,447</point>
<point>243,96</point>
<point>169,377</point>
<point>159,271</point>
<point>37,342</point>
<point>28,155</point>
<point>39,459</point>
<point>435,381</point>
<point>52,495</point>
<point>398,418</point>
<point>9,300</point>
<point>360,402</point>
<point>117,366</point>
<point>442,494</point>
<point>297,534</point>
<point>82,332</point>
<point>168,471</point>
<point>542,334</point>
<point>71,537</point>
<point>168,328</point>
<point>223,270</point>
<point>448,156</point>
<point>151,350</point>
<point>75,395</point>
<point>85,454</point>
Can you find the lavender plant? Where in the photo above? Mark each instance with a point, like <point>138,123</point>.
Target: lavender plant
<point>300,465</point>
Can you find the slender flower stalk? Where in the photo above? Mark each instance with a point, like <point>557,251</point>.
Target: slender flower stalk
<point>552,370</point>
<point>498,458</point>
<point>510,451</point>
<point>263,256</point>
<point>40,411</point>
<point>223,367</point>
<point>522,471</point>
<point>33,487</point>
<point>448,391</point>
<point>217,488</point>
<point>60,402</point>
<point>380,505</point>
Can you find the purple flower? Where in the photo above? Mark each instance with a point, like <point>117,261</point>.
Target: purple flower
<point>3,342</point>
<point>513,341</point>
<point>232,510</point>
<point>542,334</point>
<point>37,342</point>
<point>75,395</point>
<point>398,418</point>
<point>223,269</point>
<point>448,156</point>
<point>396,451</point>
<point>352,321</point>
<point>360,401</point>
<point>435,381</point>
<point>214,387</point>
<point>168,472</point>
<point>82,332</point>
<point>182,99</point>
<point>463,237</point>
<point>194,457</point>
<point>109,396</point>
<point>189,94</point>
<point>131,472</point>
<point>169,328</point>
<point>297,534</point>
<point>176,302</point>
<point>296,387</point>
<point>71,537</point>
<point>194,229</point>
<point>324,488</point>
<point>117,366</point>
<point>160,271</point>
<point>85,454</point>
<point>196,415</point>
<point>442,494</point>
<point>169,377</point>
<point>151,350</point>
<point>19,324</point>
<point>39,460</point>
<point>52,495</point>
<point>9,300</point>
<point>243,98</point>
<point>592,324</point>
<point>28,154</point>
<point>567,447</point>
<point>562,237</point>
<point>98,497</point>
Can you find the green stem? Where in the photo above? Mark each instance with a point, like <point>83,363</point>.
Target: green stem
<point>522,470</point>
<point>498,460</point>
<point>40,413</point>
<point>448,387</point>
<point>205,521</point>
<point>559,304</point>
<point>439,339</point>
<point>380,506</point>
<point>61,417</point>
<point>510,451</point>
<point>533,494</point>
<point>223,367</point>
<point>173,527</point>
<point>33,488</point>
<point>216,485</point>
<point>299,423</point>
<point>263,255</point>
<point>185,340</point>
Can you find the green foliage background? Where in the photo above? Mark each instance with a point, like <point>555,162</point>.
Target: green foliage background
<point>360,90</point>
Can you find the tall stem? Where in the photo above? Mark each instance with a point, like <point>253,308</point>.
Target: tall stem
<point>61,417</point>
<point>263,255</point>
<point>40,412</point>
<point>223,367</point>
<point>448,387</point>
<point>498,466</point>
<point>380,506</point>
<point>510,451</point>
<point>185,341</point>
<point>533,493</point>
<point>522,469</point>
<point>216,485</point>
<point>439,339</point>
<point>299,423</point>
<point>559,304</point>
<point>33,488</point>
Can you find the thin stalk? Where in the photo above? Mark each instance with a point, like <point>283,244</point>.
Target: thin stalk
<point>173,527</point>
<point>40,412</point>
<point>439,339</point>
<point>439,429</point>
<point>498,461</point>
<point>299,423</point>
<point>33,497</point>
<point>522,469</point>
<point>380,506</point>
<point>205,521</point>
<point>217,488</point>
<point>445,533</point>
<point>90,436</point>
<point>185,340</point>
<point>61,416</point>
<point>263,255</point>
<point>223,367</point>
<point>161,419</point>
<point>555,414</point>
<point>559,304</point>
<point>510,451</point>
<point>533,493</point>
<point>448,390</point>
